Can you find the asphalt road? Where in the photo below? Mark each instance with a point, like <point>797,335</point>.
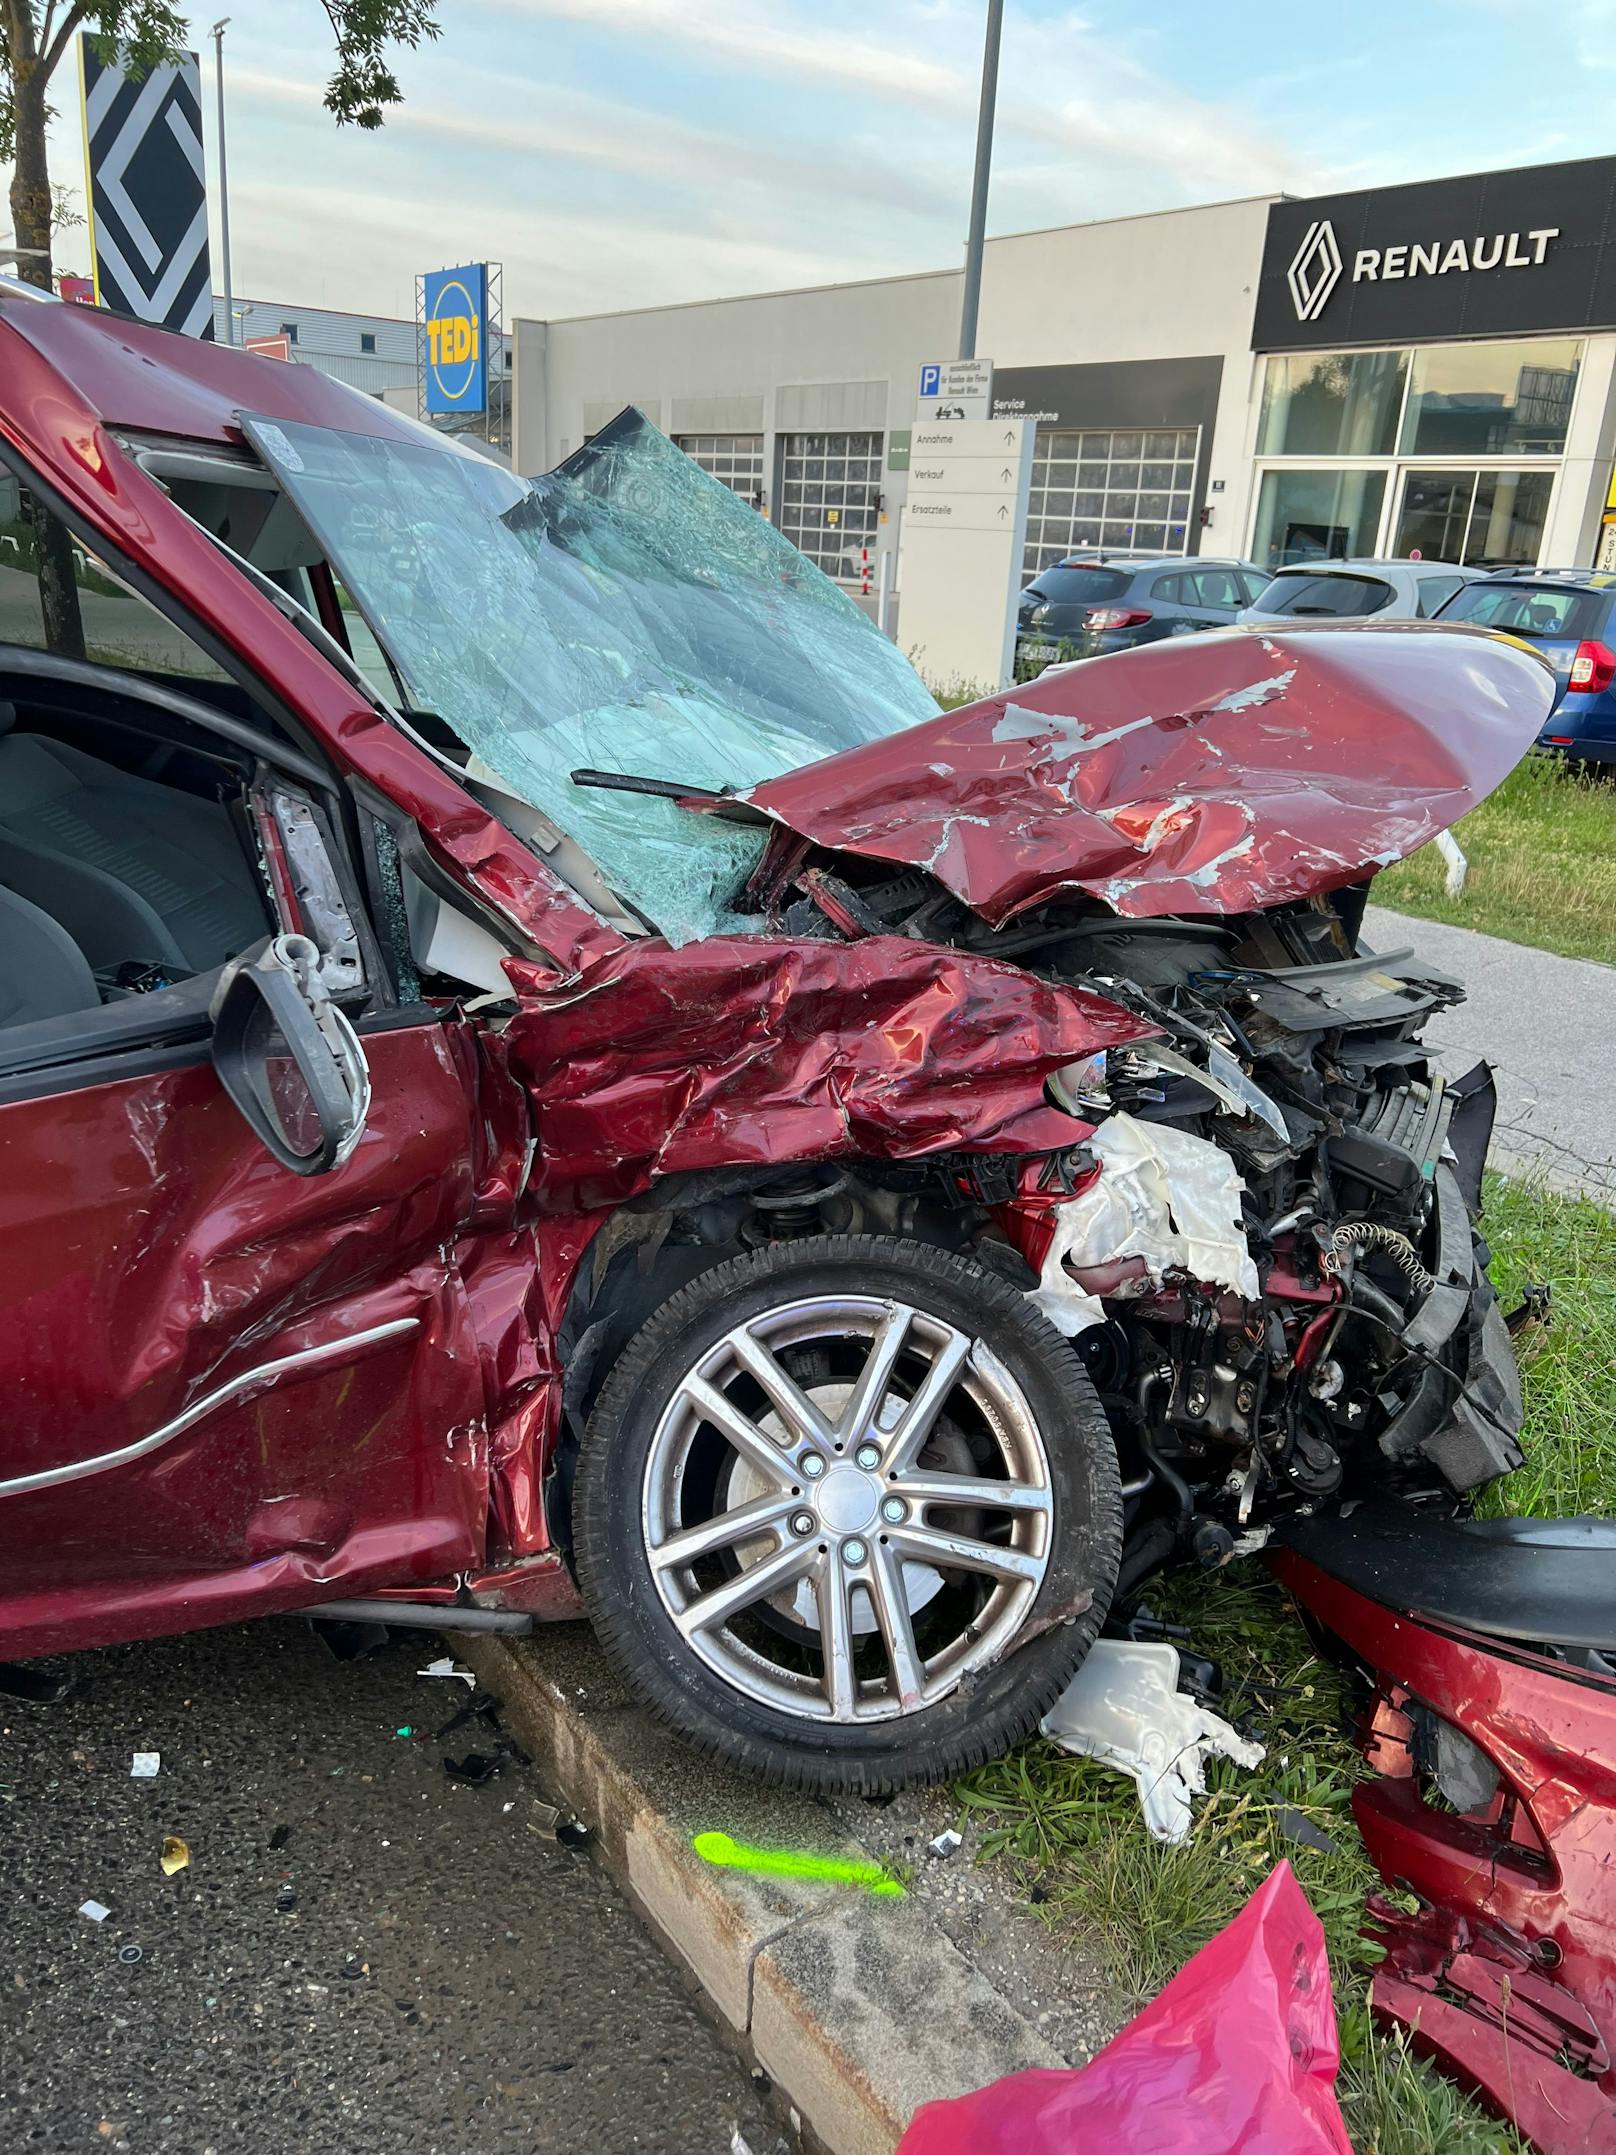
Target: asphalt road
<point>363,1957</point>
<point>1548,1027</point>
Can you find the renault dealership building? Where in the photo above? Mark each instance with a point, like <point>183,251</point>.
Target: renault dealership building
<point>1425,369</point>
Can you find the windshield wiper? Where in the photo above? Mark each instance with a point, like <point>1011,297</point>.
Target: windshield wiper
<point>664,789</point>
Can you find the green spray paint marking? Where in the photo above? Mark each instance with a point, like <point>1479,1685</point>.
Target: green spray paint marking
<point>730,1855</point>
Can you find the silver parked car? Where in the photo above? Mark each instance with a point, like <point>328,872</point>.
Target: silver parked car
<point>1347,590</point>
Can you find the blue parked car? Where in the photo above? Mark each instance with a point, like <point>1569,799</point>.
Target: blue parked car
<point>1570,615</point>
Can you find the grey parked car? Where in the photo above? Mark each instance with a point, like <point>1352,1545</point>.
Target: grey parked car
<point>1347,590</point>
<point>1088,604</point>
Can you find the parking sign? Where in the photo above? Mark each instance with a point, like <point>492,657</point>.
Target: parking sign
<point>931,377</point>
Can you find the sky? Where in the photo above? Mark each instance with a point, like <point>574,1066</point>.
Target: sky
<point>625,153</point>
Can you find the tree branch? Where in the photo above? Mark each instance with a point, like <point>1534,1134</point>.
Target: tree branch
<point>53,52</point>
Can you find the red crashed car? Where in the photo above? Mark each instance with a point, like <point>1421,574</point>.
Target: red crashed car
<point>537,1070</point>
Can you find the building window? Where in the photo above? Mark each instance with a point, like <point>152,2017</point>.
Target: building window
<point>1121,491</point>
<point>367,340</point>
<point>1477,519</point>
<point>1332,404</point>
<point>830,496</point>
<point>1491,399</point>
<point>1446,400</point>
<point>289,332</point>
<point>736,459</point>
<point>1317,516</point>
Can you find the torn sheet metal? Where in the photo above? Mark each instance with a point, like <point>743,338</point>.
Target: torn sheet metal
<point>1506,1971</point>
<point>1164,1197</point>
<point>1237,2056</point>
<point>1212,774</point>
<point>1124,1708</point>
<point>738,1051</point>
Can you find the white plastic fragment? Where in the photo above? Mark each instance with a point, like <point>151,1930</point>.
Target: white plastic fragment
<point>944,1843</point>
<point>445,1666</point>
<point>143,1765</point>
<point>97,1911</point>
<point>1457,859</point>
<point>1163,1194</point>
<point>1124,1708</point>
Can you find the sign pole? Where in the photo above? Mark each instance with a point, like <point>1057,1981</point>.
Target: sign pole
<point>224,188</point>
<point>979,182</point>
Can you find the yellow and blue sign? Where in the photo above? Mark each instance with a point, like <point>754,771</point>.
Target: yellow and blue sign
<point>456,316</point>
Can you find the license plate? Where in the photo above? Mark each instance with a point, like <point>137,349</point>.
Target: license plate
<point>1040,650</point>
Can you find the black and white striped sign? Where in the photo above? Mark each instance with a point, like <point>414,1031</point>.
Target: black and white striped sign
<point>148,191</point>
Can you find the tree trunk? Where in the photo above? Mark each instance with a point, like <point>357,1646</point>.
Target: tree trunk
<point>30,172</point>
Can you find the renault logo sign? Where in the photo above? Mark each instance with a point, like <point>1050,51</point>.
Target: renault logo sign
<point>1313,273</point>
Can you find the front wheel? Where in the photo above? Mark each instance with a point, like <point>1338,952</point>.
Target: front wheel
<point>847,1513</point>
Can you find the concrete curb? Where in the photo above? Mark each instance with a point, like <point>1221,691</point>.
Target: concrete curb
<point>858,2007</point>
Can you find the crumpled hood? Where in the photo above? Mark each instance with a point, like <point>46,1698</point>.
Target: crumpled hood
<point>1219,773</point>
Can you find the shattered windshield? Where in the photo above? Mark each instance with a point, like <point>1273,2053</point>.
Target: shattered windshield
<point>625,613</point>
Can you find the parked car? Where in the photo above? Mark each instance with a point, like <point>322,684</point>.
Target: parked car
<point>1342,590</point>
<point>1567,614</point>
<point>1091,604</point>
<point>605,1100</point>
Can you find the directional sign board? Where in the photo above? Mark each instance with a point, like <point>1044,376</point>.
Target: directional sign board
<point>964,530</point>
<point>954,389</point>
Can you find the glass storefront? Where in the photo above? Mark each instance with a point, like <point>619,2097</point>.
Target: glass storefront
<point>1317,515</point>
<point>1479,519</point>
<point>1398,443</point>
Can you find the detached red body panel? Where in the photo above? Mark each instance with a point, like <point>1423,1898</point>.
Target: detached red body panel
<point>1507,1973</point>
<point>1237,2056</point>
<point>1208,774</point>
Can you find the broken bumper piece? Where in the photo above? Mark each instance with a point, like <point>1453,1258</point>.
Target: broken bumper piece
<point>1492,1742</point>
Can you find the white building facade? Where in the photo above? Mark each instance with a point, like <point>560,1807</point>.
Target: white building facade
<point>1424,369</point>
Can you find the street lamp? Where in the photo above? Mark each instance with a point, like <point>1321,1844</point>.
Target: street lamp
<point>979,181</point>
<point>224,183</point>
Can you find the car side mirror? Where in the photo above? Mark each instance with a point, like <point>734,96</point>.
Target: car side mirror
<point>288,1057</point>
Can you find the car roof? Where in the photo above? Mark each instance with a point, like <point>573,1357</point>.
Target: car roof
<point>1381,562</point>
<point>1137,564</point>
<point>1579,579</point>
<point>158,381</point>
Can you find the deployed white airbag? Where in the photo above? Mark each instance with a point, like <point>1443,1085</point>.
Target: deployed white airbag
<point>1163,1195</point>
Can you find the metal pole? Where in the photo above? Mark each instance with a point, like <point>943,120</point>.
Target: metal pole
<point>979,182</point>
<point>224,188</point>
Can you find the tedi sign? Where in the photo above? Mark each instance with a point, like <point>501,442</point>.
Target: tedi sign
<point>1493,254</point>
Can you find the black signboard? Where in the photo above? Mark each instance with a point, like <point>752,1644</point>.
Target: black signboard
<point>1493,254</point>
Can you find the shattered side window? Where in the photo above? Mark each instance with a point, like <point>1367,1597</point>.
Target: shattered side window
<point>625,613</point>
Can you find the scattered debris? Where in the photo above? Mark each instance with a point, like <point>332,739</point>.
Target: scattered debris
<point>97,1911</point>
<point>286,1900</point>
<point>546,1818</point>
<point>406,1730</point>
<point>944,1843</point>
<point>353,1967</point>
<point>1124,1708</point>
<point>573,1833</point>
<point>475,1768</point>
<point>1297,1826</point>
<point>144,1764</point>
<point>728,1855</point>
<point>28,1680</point>
<point>176,1856</point>
<point>130,1955</point>
<point>446,1665</point>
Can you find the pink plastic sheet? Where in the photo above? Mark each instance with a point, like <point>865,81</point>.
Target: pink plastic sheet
<point>1237,2056</point>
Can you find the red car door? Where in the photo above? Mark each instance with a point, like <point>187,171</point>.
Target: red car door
<point>226,1388</point>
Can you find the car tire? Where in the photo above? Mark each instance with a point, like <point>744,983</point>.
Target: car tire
<point>929,1491</point>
